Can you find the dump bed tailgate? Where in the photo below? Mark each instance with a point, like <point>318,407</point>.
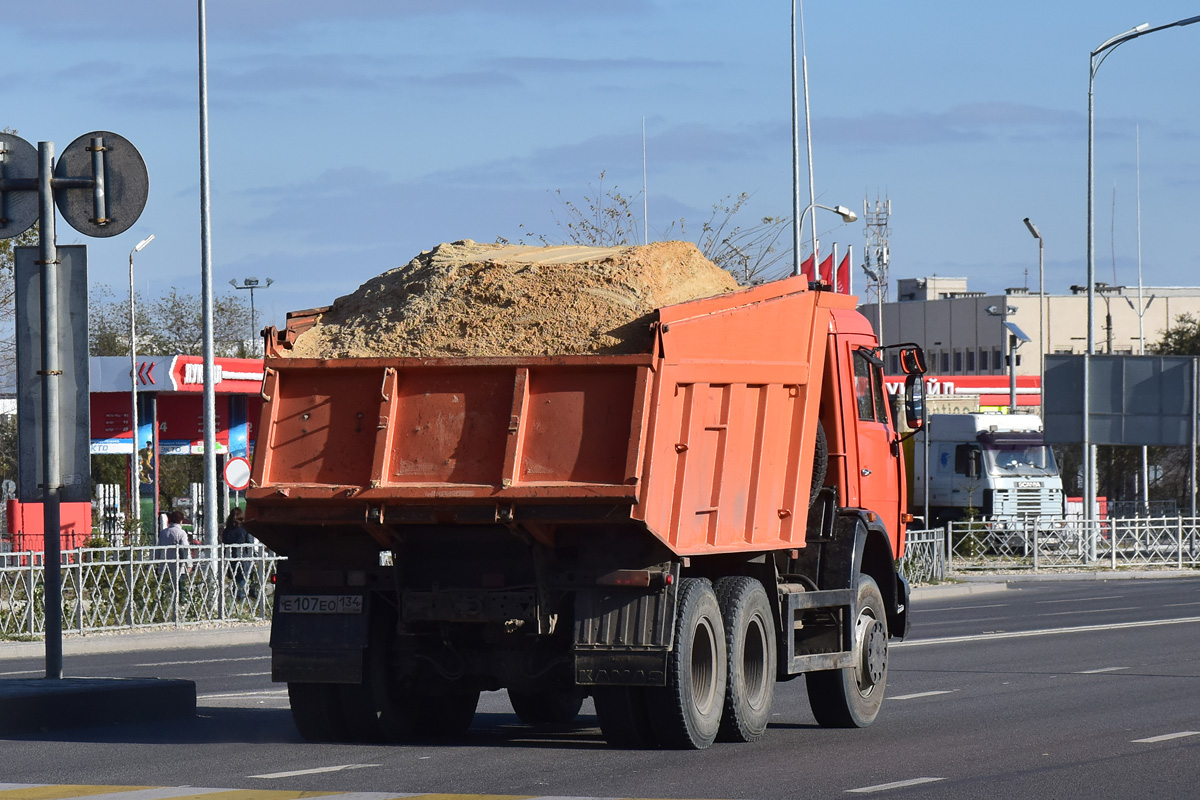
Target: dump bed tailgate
<point>452,430</point>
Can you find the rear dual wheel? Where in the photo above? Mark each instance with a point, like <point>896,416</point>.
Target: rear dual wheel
<point>750,651</point>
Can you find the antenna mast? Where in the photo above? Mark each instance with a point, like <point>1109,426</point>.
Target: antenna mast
<point>875,254</point>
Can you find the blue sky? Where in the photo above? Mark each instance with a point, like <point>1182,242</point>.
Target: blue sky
<point>347,137</point>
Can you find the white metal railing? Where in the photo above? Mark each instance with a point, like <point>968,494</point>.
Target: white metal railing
<point>1036,543</point>
<point>107,588</point>
<point>924,558</point>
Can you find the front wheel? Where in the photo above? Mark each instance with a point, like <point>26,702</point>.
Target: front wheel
<point>851,697</point>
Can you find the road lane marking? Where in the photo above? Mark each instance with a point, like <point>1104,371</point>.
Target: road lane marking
<point>983,637</point>
<point>37,791</point>
<point>63,791</point>
<point>958,608</point>
<point>1098,671</point>
<point>1081,599</point>
<point>1178,605</point>
<point>24,672</point>
<point>1166,737</point>
<point>263,693</point>
<point>313,771</point>
<point>249,674</point>
<point>1088,611</point>
<point>922,694</point>
<point>883,787</point>
<point>202,661</point>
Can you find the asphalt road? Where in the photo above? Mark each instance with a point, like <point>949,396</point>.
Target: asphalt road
<point>1047,689</point>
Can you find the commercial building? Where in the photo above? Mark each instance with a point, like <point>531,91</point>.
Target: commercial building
<point>963,332</point>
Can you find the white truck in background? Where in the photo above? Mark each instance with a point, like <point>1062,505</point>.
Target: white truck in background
<point>987,466</point>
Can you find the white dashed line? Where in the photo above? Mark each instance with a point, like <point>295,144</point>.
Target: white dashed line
<point>883,787</point>
<point>984,637</point>
<point>1166,737</point>
<point>203,661</point>
<point>313,771</point>
<point>922,694</point>
<point>1098,671</point>
<point>268,693</point>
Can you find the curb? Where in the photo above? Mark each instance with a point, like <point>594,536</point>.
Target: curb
<point>140,640</point>
<point>37,706</point>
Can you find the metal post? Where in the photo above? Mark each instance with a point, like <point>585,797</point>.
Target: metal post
<point>795,154</point>
<point>133,526</point>
<point>1195,417</point>
<point>1012,373</point>
<point>50,372</point>
<point>210,426</point>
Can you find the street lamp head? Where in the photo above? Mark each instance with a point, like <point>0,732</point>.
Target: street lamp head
<point>138,247</point>
<point>993,310</point>
<point>1033,229</point>
<point>846,214</point>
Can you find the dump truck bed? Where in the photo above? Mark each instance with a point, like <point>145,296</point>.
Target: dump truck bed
<point>706,442</point>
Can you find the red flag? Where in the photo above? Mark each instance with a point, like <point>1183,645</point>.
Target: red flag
<point>827,270</point>
<point>843,275</point>
<point>806,268</point>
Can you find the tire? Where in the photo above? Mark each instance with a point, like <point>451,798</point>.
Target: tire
<point>750,646</point>
<point>851,697</point>
<point>820,464</point>
<point>624,717</point>
<point>412,710</point>
<point>317,712</point>
<point>557,706</point>
<point>686,713</point>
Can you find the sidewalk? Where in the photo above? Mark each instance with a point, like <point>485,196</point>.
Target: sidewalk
<point>966,583</point>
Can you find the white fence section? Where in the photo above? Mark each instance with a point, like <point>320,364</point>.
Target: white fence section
<point>1079,543</point>
<point>130,587</point>
<point>924,558</point>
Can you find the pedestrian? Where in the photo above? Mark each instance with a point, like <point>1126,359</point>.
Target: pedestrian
<point>237,541</point>
<point>170,539</point>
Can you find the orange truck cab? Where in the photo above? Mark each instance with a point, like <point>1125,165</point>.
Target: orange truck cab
<point>669,532</point>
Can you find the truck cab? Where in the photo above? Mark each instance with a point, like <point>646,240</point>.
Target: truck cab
<point>988,466</point>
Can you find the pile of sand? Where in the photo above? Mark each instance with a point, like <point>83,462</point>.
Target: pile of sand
<point>471,299</point>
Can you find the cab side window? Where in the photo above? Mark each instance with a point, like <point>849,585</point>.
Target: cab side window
<point>862,386</point>
<point>868,386</point>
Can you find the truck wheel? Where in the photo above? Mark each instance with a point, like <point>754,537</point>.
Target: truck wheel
<point>750,652</point>
<point>624,716</point>
<point>556,706</point>
<point>851,697</point>
<point>820,464</point>
<point>686,713</point>
<point>317,711</point>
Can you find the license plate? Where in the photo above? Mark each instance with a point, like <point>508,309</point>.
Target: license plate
<point>321,604</point>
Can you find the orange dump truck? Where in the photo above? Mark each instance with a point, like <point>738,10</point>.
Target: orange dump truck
<point>670,532</point>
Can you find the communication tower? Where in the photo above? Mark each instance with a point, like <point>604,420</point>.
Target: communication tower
<point>875,254</point>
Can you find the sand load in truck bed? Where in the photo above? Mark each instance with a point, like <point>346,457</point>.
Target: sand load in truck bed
<point>472,299</point>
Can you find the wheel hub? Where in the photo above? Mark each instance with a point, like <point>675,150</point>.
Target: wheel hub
<point>874,655</point>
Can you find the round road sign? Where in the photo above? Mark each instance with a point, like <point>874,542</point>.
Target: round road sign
<point>126,185</point>
<point>237,473</point>
<point>18,161</point>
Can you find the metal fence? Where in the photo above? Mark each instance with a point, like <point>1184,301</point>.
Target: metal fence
<point>924,556</point>
<point>1038,543</point>
<point>131,587</point>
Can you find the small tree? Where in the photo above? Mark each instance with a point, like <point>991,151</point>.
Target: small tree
<point>605,218</point>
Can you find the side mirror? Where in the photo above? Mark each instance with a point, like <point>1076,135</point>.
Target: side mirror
<point>914,401</point>
<point>912,360</point>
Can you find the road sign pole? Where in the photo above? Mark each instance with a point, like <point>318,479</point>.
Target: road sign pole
<point>50,374</point>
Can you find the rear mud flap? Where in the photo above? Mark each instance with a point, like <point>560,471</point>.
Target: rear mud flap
<point>318,648</point>
<point>623,636</point>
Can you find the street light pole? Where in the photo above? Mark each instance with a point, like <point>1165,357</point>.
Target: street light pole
<point>1096,59</point>
<point>135,501</point>
<point>251,284</point>
<point>1041,312</point>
